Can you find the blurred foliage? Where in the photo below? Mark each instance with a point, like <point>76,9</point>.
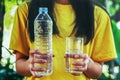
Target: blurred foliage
<point>8,18</point>
<point>7,71</point>
<point>111,5</point>
<point>10,6</point>
<point>6,68</point>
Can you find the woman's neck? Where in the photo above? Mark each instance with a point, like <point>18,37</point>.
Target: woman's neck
<point>63,1</point>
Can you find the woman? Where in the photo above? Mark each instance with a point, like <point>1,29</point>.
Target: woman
<point>71,18</point>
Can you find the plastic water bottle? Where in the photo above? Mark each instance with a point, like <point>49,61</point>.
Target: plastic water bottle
<point>43,41</point>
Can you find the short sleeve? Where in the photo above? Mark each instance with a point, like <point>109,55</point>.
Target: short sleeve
<point>18,40</point>
<point>104,48</point>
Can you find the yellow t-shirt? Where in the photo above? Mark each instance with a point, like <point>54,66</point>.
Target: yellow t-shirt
<point>100,49</point>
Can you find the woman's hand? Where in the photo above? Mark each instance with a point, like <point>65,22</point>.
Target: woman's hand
<point>26,65</point>
<point>32,61</point>
<point>86,65</point>
<point>35,60</point>
<point>80,64</point>
<point>83,64</point>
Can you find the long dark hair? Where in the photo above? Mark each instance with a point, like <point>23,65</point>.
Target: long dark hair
<point>84,11</point>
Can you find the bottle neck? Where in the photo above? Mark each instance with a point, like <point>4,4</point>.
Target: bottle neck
<point>42,12</point>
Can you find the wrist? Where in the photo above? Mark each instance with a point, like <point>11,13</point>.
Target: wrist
<point>90,61</point>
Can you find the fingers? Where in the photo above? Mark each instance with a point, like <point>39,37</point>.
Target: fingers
<point>33,66</point>
<point>32,52</point>
<point>84,60</point>
<point>75,56</point>
<point>80,63</point>
<point>79,66</point>
<point>79,69</point>
<point>80,56</point>
<point>34,71</point>
<point>34,61</point>
<point>37,60</point>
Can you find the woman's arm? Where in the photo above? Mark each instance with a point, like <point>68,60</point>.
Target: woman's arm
<point>94,69</point>
<point>22,64</point>
<point>89,67</point>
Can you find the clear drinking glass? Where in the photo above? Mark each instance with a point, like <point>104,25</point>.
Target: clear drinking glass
<point>73,46</point>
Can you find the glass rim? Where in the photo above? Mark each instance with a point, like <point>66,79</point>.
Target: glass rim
<point>74,38</point>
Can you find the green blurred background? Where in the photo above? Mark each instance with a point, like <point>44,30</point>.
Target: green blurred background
<point>111,69</point>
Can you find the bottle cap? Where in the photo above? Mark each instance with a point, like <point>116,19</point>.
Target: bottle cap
<point>43,10</point>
